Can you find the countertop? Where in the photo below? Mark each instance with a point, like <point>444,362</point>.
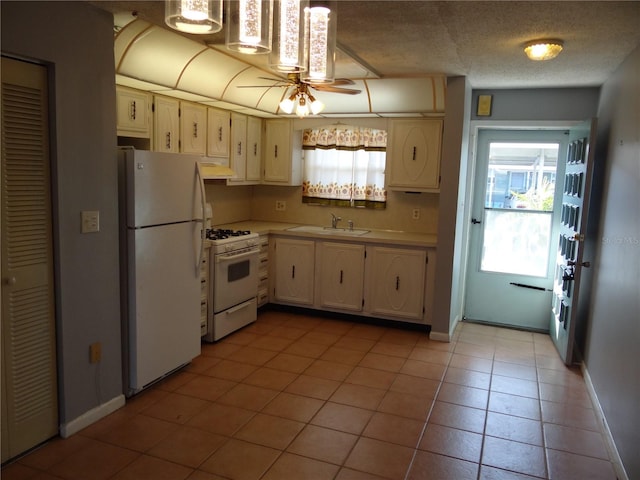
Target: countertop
<point>373,236</point>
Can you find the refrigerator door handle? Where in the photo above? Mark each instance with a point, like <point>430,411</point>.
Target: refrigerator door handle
<point>203,233</point>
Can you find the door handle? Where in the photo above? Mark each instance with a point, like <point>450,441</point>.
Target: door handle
<point>475,221</point>
<point>583,264</point>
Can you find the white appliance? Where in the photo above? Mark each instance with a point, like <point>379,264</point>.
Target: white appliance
<point>162,240</point>
<point>233,261</point>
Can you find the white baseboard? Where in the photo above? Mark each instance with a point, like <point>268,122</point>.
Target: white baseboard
<point>445,337</point>
<point>608,438</point>
<point>92,416</point>
<point>439,336</point>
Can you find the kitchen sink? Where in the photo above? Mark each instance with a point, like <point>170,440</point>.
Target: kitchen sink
<point>327,230</point>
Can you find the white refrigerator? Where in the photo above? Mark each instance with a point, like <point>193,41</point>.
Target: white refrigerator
<point>161,210</point>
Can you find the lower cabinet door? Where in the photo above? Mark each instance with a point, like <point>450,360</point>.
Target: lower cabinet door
<point>396,279</point>
<point>341,275</point>
<point>294,271</point>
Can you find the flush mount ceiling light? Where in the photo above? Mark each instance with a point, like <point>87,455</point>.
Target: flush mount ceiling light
<point>543,49</point>
<point>194,16</point>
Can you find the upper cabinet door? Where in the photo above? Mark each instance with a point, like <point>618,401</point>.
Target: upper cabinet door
<point>238,154</point>
<point>283,153</point>
<point>193,128</point>
<point>133,109</point>
<point>254,149</point>
<point>166,125</point>
<point>414,155</point>
<point>218,126</point>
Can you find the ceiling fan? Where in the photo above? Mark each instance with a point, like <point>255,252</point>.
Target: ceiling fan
<point>301,99</point>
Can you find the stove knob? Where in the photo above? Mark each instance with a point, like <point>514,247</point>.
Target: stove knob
<point>251,243</point>
<point>227,248</point>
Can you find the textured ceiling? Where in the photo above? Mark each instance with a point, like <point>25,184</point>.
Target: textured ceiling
<point>478,39</point>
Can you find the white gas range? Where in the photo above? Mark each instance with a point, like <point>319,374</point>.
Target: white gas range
<point>233,273</point>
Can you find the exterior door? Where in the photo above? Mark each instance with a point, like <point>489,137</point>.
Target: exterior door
<point>568,310</point>
<point>29,382</point>
<point>514,215</point>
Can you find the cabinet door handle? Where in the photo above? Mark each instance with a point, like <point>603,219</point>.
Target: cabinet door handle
<point>414,153</point>
<point>239,148</point>
<point>195,129</point>
<point>168,140</point>
<point>275,151</point>
<point>293,271</point>
<point>255,149</point>
<point>132,110</point>
<point>341,274</point>
<point>219,134</point>
<point>397,282</point>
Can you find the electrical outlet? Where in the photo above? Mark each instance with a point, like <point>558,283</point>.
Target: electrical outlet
<point>415,214</point>
<point>281,205</point>
<point>95,352</point>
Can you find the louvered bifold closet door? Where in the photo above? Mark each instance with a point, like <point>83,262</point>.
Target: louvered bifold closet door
<point>29,385</point>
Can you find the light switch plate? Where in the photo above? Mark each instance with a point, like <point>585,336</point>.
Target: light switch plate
<point>90,221</point>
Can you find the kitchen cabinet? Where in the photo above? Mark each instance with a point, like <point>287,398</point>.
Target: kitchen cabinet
<point>254,149</point>
<point>218,127</point>
<point>283,153</point>
<point>413,156</point>
<point>396,282</point>
<point>238,146</point>
<point>166,124</point>
<point>341,275</point>
<point>193,128</point>
<point>294,271</point>
<point>263,271</point>
<point>133,113</point>
<point>246,150</point>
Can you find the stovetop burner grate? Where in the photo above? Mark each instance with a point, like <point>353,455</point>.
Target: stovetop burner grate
<point>222,233</point>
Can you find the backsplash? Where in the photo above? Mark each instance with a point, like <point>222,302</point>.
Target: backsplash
<point>239,203</point>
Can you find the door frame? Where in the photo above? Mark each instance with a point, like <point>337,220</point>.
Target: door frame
<point>465,197</point>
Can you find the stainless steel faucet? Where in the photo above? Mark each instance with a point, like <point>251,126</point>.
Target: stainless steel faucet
<point>334,221</point>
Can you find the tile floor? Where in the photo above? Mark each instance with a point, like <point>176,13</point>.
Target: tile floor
<point>294,396</point>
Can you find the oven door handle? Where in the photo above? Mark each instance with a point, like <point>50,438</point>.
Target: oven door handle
<point>228,258</point>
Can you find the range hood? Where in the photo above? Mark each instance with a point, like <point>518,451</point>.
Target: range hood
<point>155,59</point>
<point>215,171</point>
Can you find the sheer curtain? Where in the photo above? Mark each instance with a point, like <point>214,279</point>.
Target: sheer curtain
<point>344,166</point>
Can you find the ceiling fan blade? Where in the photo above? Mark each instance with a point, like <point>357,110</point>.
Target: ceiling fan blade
<point>265,86</point>
<point>332,89</point>
<point>279,80</point>
<point>343,81</point>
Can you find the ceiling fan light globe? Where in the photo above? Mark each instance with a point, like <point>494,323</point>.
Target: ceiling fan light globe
<point>287,105</point>
<point>316,107</point>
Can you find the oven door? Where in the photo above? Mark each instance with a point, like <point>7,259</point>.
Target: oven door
<point>235,278</point>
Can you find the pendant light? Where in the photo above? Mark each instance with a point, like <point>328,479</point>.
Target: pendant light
<point>194,16</point>
<point>249,27</point>
<point>289,52</point>
<point>322,25</point>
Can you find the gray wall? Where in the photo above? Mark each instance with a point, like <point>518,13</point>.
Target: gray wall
<point>76,40</point>
<point>539,104</point>
<point>611,352</point>
<point>447,308</point>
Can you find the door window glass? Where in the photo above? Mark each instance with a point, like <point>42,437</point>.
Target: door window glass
<point>521,179</point>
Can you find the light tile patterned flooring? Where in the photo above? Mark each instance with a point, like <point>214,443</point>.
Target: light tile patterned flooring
<point>298,397</point>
